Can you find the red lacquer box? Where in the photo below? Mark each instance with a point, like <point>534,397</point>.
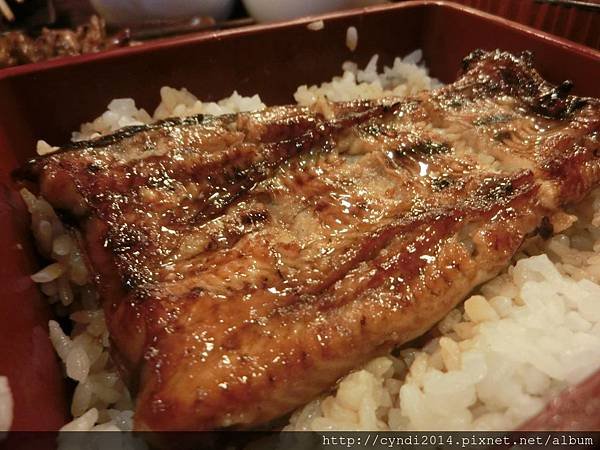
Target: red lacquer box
<point>49,100</point>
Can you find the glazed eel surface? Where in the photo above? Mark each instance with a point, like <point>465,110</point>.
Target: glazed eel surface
<point>247,262</point>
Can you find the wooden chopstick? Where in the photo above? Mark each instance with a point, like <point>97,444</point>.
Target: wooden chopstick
<point>6,11</point>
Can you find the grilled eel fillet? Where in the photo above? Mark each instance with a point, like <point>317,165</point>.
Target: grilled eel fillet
<point>246,262</point>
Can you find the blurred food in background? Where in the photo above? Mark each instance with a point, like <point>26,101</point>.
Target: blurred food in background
<point>37,30</point>
<point>18,47</point>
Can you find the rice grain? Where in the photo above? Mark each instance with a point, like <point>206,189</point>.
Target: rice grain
<point>316,25</point>
<point>352,38</point>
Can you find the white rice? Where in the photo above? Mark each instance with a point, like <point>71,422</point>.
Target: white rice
<point>406,76</point>
<point>174,103</point>
<point>85,352</point>
<point>6,407</point>
<point>536,327</point>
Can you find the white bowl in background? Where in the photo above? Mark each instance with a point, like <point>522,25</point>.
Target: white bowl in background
<point>275,10</point>
<point>135,11</point>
